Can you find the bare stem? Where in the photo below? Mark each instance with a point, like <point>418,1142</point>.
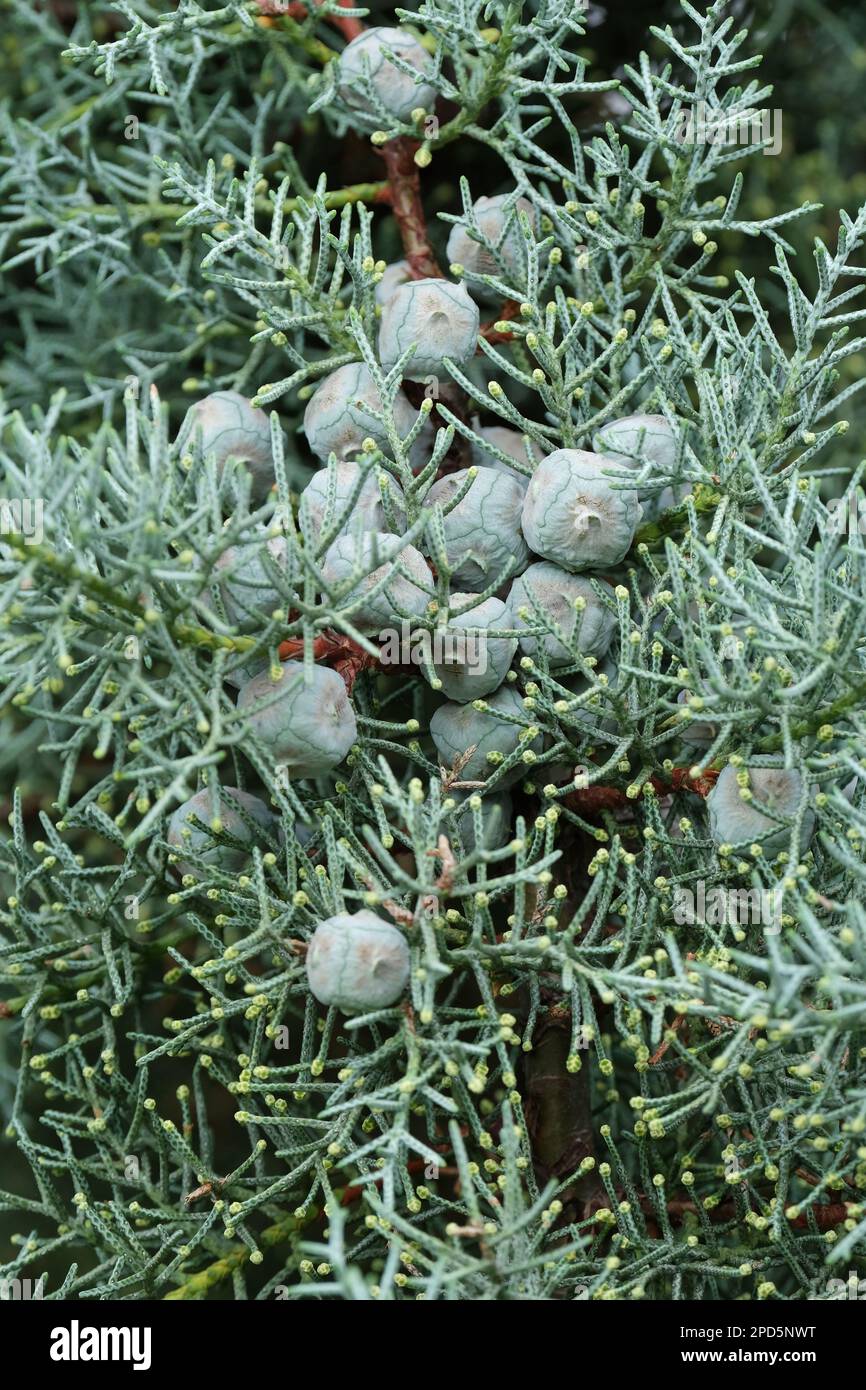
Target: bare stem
<point>405,199</point>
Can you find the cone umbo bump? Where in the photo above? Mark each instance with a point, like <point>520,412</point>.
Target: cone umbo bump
<point>357,962</point>
<point>458,730</point>
<point>229,427</point>
<point>235,809</point>
<point>473,664</point>
<point>438,317</point>
<point>735,819</point>
<point>336,421</point>
<point>366,58</point>
<point>482,530</point>
<point>577,515</point>
<point>554,592</point>
<point>377,556</point>
<point>307,723</point>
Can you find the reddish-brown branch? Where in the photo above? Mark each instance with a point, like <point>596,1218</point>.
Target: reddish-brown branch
<point>682,780</point>
<point>665,1043</point>
<point>405,199</point>
<point>402,172</point>
<point>349,659</point>
<point>491,333</point>
<point>591,800</point>
<point>588,801</point>
<point>348,26</point>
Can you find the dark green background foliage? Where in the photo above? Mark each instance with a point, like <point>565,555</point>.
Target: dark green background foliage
<point>140,1017</point>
